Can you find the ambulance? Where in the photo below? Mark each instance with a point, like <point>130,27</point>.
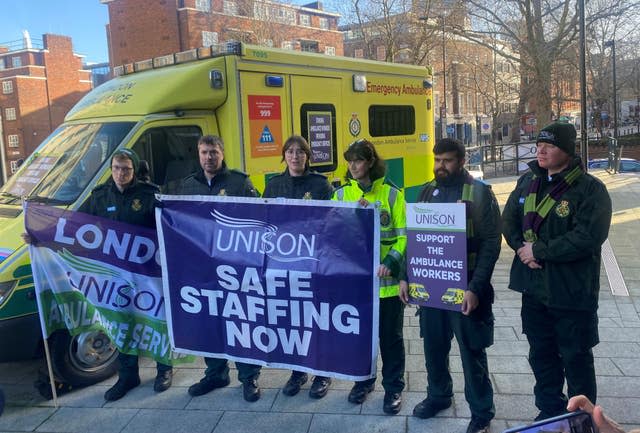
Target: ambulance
<point>254,98</point>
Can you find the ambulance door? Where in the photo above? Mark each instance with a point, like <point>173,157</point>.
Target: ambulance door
<point>315,108</point>
<point>265,123</point>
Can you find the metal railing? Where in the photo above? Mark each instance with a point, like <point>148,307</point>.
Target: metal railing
<point>498,160</point>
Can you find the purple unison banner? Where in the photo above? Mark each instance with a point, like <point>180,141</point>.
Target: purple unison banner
<point>437,254</point>
<point>276,282</point>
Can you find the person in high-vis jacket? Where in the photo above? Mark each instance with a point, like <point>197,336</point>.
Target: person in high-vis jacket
<point>365,183</point>
<point>472,325</point>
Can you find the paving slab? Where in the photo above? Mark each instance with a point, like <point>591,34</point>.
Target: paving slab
<point>17,418</point>
<point>173,421</point>
<point>234,422</point>
<point>81,420</point>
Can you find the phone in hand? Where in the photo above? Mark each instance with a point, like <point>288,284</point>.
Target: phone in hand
<point>574,422</point>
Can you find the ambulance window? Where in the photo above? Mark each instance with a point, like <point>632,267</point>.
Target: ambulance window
<point>172,152</point>
<point>318,127</point>
<point>387,120</point>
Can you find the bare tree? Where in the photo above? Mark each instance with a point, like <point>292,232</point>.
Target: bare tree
<point>540,32</point>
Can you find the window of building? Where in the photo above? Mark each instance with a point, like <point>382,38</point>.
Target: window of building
<point>387,120</point>
<point>7,87</point>
<point>310,46</point>
<point>287,45</point>
<point>267,42</point>
<point>2,63</point>
<point>10,113</point>
<point>330,51</point>
<point>358,53</point>
<point>203,5</point>
<point>230,7</point>
<point>305,20</point>
<point>13,140</point>
<point>381,53</point>
<point>14,166</point>
<point>324,23</point>
<point>209,38</point>
<point>16,61</point>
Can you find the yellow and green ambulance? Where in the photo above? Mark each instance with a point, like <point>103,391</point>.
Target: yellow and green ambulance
<point>254,98</point>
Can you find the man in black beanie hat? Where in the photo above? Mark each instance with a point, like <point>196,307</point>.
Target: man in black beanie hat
<point>556,220</point>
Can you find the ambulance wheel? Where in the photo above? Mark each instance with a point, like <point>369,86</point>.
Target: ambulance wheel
<point>84,359</point>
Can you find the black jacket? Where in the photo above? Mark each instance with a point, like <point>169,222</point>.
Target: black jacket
<point>569,241</point>
<point>233,183</point>
<point>485,216</point>
<point>135,205</point>
<point>309,186</point>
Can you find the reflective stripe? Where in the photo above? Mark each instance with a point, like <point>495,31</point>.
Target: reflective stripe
<point>340,194</point>
<point>396,255</point>
<point>393,193</point>
<point>401,231</point>
<point>386,234</point>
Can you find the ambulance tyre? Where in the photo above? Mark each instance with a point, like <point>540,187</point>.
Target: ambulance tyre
<point>84,359</point>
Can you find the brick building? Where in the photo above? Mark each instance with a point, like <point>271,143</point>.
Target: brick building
<point>142,29</point>
<point>40,81</point>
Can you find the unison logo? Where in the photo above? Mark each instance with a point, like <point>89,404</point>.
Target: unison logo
<point>241,235</point>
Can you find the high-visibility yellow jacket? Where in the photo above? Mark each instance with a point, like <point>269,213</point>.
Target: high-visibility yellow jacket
<point>393,226</point>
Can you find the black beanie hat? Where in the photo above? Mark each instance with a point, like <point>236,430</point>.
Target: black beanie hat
<point>128,153</point>
<point>562,135</point>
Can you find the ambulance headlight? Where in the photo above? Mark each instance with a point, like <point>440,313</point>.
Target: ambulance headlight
<point>426,84</point>
<point>359,83</point>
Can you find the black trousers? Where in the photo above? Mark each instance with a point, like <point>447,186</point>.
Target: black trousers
<point>129,366</point>
<point>560,347</point>
<point>437,328</point>
<point>218,368</point>
<point>391,345</point>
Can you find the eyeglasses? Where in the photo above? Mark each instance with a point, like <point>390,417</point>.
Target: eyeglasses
<point>125,170</point>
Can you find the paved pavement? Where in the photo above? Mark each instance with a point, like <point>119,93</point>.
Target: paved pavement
<point>224,410</point>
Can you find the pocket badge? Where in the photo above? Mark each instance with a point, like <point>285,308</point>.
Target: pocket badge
<point>563,210</point>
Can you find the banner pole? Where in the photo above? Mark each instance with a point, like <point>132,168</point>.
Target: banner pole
<point>52,379</point>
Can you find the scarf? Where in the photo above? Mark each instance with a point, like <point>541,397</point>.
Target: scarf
<point>534,214</point>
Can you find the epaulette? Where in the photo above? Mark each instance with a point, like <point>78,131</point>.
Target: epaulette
<point>336,189</point>
<point>102,186</point>
<point>316,174</point>
<point>236,171</point>
<point>388,182</point>
<point>149,185</point>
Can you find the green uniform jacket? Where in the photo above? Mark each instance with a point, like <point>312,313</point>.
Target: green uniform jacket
<point>568,245</point>
<point>393,225</point>
<point>233,183</point>
<point>135,205</point>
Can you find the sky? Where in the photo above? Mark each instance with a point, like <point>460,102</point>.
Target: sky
<point>83,20</point>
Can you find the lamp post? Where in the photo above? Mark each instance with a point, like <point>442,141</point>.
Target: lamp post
<point>443,109</point>
<point>612,45</point>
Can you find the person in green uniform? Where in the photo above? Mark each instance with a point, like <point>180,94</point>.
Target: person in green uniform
<point>298,182</point>
<point>215,178</point>
<point>123,198</point>
<point>365,183</point>
<point>555,221</point>
<point>473,324</point>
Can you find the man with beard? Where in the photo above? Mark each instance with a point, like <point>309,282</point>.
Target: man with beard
<point>473,325</point>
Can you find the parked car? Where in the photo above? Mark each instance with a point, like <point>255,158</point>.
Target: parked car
<point>627,165</point>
